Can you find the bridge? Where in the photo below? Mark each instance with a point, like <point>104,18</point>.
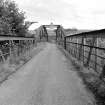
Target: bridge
<point>53,68</point>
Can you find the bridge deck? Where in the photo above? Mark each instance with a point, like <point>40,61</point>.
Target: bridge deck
<point>47,79</point>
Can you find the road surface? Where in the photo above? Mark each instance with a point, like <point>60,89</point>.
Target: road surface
<point>46,79</point>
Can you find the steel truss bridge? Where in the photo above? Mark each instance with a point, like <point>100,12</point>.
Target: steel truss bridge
<point>87,47</point>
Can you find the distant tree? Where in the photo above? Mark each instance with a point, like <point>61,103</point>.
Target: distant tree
<point>71,29</point>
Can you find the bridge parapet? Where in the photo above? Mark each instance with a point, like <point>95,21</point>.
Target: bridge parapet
<point>88,47</point>
<point>14,47</point>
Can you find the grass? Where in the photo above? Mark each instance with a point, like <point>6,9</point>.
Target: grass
<point>93,83</point>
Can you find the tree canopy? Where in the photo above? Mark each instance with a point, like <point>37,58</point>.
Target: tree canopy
<point>11,19</point>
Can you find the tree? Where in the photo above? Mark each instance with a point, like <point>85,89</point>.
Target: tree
<point>11,19</point>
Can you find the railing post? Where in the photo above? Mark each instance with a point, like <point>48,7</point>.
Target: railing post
<point>80,49</point>
<point>56,35</point>
<point>19,48</point>
<point>90,52</point>
<point>96,56</point>
<point>83,50</point>
<point>12,52</point>
<point>10,46</point>
<point>65,43</point>
<point>3,58</point>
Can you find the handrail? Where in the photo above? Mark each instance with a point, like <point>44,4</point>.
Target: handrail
<point>96,33</point>
<point>85,47</point>
<point>10,46</point>
<point>5,37</point>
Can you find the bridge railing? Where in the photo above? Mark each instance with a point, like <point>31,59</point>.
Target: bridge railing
<point>87,47</point>
<point>13,47</point>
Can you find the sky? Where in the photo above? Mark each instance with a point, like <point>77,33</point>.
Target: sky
<point>80,14</point>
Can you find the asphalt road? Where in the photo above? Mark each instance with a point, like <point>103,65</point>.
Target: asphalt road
<point>47,79</point>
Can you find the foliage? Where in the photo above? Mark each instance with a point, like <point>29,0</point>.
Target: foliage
<point>11,19</point>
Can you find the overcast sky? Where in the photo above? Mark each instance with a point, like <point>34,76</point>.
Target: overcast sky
<point>81,14</point>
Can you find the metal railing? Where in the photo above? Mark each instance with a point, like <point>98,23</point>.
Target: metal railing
<point>87,47</point>
<point>13,47</point>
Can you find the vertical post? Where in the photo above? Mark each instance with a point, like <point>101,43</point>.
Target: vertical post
<point>12,57</point>
<point>89,55</point>
<point>47,37</point>
<point>40,35</point>
<point>21,43</point>
<point>24,46</point>
<point>69,46</point>
<point>27,46</point>
<point>65,43</point>
<point>35,42</point>
<point>83,50</point>
<point>31,44</point>
<point>61,34</point>
<point>19,48</point>
<point>15,50</point>
<point>56,35</point>
<point>96,56</point>
<point>1,54</point>
<point>77,48</point>
<point>10,46</point>
<point>80,49</point>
